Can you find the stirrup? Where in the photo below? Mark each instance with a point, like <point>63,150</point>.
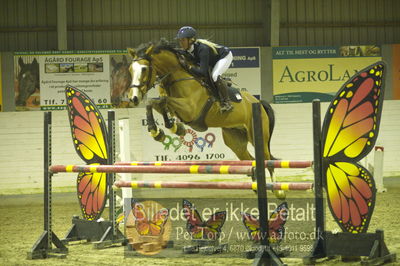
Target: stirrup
<point>226,107</point>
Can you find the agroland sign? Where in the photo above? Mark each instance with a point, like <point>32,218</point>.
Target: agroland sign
<point>301,74</point>
<point>327,74</point>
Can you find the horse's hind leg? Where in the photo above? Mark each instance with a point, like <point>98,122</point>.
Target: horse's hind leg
<point>280,194</point>
<point>236,140</point>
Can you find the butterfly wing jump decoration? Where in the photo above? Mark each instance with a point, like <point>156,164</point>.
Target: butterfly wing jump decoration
<point>210,229</point>
<point>89,133</point>
<point>146,226</point>
<point>276,223</point>
<point>349,133</point>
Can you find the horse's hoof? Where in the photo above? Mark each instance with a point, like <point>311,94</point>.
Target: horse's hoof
<point>280,194</point>
<point>180,130</point>
<point>160,136</point>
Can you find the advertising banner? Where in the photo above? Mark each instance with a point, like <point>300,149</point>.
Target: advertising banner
<point>245,70</point>
<point>208,145</point>
<point>40,77</point>
<point>301,74</point>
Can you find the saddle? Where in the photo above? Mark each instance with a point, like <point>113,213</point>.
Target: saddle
<point>234,93</point>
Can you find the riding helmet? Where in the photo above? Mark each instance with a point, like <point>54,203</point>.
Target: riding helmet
<point>186,32</point>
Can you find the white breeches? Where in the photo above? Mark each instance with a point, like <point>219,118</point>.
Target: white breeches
<point>221,66</point>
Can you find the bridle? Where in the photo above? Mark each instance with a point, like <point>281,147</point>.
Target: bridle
<point>150,73</point>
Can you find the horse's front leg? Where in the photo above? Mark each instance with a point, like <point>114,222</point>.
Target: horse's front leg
<point>156,132</point>
<point>175,127</point>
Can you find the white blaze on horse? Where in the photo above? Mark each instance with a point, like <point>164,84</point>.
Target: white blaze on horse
<point>188,98</point>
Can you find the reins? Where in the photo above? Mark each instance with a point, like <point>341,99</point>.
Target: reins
<point>169,84</point>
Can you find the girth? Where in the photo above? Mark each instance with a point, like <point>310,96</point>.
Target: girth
<point>199,123</point>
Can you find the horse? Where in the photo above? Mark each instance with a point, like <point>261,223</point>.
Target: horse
<point>120,81</point>
<point>187,98</point>
<point>28,81</point>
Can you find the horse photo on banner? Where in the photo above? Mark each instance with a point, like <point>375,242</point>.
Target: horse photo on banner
<point>120,80</point>
<point>26,83</point>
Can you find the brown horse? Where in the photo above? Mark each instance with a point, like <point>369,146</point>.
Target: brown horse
<point>187,98</point>
<point>28,81</point>
<point>120,81</point>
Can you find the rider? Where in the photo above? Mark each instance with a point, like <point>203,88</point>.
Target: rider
<point>208,54</point>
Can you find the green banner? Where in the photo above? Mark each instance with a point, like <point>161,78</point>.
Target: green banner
<point>301,74</point>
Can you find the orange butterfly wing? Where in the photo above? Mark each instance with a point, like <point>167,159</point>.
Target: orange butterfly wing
<point>349,133</point>
<point>144,226</point>
<point>211,229</point>
<point>89,137</point>
<point>276,222</point>
<point>91,193</point>
<point>252,225</point>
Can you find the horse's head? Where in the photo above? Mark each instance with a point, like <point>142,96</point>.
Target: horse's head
<point>120,80</point>
<point>142,72</point>
<point>28,80</point>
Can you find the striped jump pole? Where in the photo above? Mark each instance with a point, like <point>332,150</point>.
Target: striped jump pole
<point>147,169</point>
<point>211,185</point>
<point>268,163</point>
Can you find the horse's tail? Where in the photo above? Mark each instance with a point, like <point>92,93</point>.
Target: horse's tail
<point>271,117</point>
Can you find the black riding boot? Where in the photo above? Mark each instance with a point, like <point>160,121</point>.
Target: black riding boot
<point>222,88</point>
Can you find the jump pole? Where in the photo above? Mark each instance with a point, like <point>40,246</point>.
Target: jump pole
<point>182,169</point>
<point>267,163</point>
<point>211,185</point>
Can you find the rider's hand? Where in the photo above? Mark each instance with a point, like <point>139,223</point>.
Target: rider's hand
<point>184,63</point>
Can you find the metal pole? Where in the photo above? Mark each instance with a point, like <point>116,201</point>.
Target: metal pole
<point>260,172</point>
<point>111,175</point>
<point>62,25</point>
<point>47,178</point>
<point>318,182</point>
<point>266,255</point>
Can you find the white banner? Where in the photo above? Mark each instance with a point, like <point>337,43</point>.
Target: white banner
<point>207,145</point>
<point>89,73</point>
<point>40,77</point>
<point>245,70</point>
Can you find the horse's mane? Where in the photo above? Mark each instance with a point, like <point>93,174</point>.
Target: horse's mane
<point>162,44</point>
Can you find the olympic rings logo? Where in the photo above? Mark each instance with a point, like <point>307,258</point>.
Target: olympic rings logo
<point>190,141</point>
